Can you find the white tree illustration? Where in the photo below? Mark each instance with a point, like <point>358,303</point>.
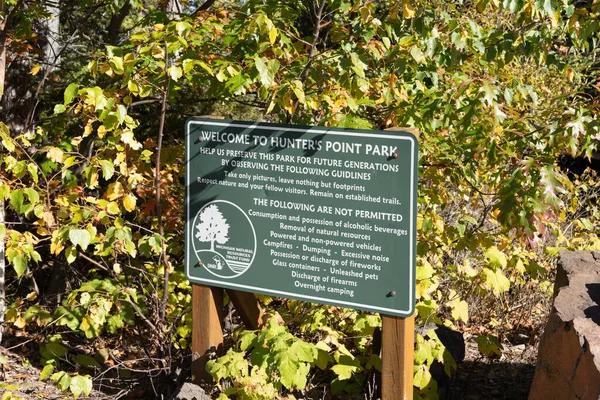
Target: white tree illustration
<point>212,227</point>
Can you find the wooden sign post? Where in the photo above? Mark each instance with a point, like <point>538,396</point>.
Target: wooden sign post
<point>317,214</point>
<point>397,350</point>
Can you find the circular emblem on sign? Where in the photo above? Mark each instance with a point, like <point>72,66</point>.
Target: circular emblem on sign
<point>224,239</point>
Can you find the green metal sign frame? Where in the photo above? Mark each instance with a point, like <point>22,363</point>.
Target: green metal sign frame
<point>317,214</point>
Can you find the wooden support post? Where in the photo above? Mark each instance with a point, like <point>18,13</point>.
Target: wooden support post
<point>248,308</point>
<point>207,328</point>
<point>397,356</point>
<point>207,323</point>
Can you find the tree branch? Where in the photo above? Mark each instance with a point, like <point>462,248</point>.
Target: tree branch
<point>161,228</point>
<point>311,52</point>
<point>205,6</point>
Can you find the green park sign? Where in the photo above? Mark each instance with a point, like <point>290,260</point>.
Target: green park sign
<point>318,214</point>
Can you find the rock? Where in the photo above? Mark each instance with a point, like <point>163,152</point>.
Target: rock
<point>453,340</point>
<point>455,344</point>
<point>189,391</point>
<point>568,364</point>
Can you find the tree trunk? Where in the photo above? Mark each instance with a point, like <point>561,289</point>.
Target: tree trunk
<point>2,273</point>
<point>116,21</point>
<point>52,31</point>
<point>2,47</point>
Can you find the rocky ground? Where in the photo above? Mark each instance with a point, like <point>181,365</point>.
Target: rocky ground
<point>21,381</point>
<point>477,378</point>
<point>504,378</point>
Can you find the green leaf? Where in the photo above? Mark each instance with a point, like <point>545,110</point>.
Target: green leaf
<point>357,65</point>
<point>495,281</point>
<point>46,372</point>
<point>374,362</point>
<point>59,109</point>
<point>80,237</point>
<point>266,70</point>
<point>303,351</point>
<point>346,366</point>
<point>32,195</point>
<point>108,169</point>
<point>114,51</point>
<point>71,254</point>
<point>70,93</point>
<point>182,27</point>
<point>513,5</point>
<point>550,6</point>
<point>114,323</point>
<point>116,64</point>
<point>16,200</point>
<point>20,265</point>
<point>424,271</point>
<point>63,380</point>
<point>66,317</point>
<point>489,345</point>
<point>495,258</point>
<point>121,113</point>
<point>288,367</point>
<point>237,84</point>
<point>423,353</point>
<point>81,384</point>
<point>33,171</point>
<point>422,376</point>
<point>489,91</point>
<point>247,340</point>
<point>6,139</point>
<point>87,361</point>
<point>52,351</point>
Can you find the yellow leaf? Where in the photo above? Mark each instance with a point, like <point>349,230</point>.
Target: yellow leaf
<point>56,246</point>
<point>48,218</point>
<point>101,131</point>
<point>85,325</point>
<point>115,191</point>
<point>75,142</point>
<point>127,137</point>
<point>133,87</point>
<point>175,72</point>
<point>408,11</point>
<point>520,267</point>
<point>460,310</point>
<point>272,35</point>
<point>20,323</point>
<point>31,296</point>
<point>55,154</point>
<point>288,104</point>
<point>113,208</point>
<point>467,269</point>
<point>35,69</point>
<point>129,202</point>
<point>87,130</point>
